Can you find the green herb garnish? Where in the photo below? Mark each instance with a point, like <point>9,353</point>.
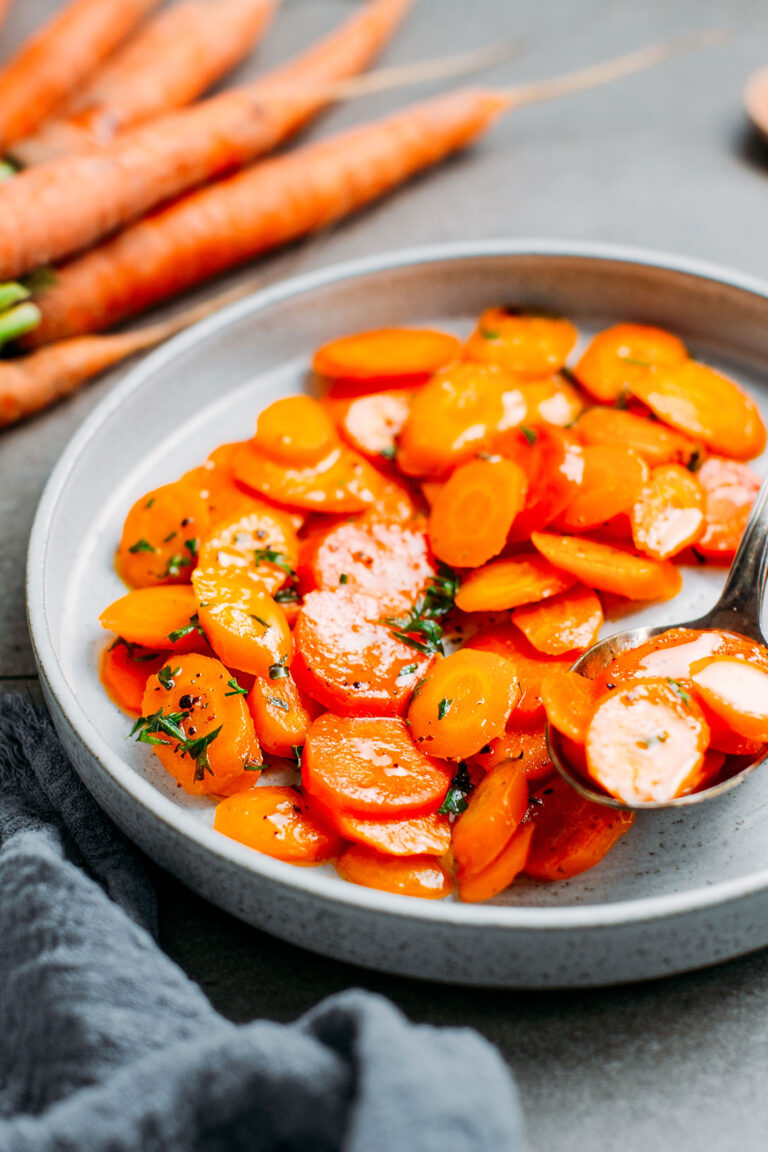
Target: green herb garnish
<point>146,728</point>
<point>286,596</point>
<point>679,691</point>
<point>279,671</point>
<point>456,797</point>
<point>407,671</point>
<point>236,689</point>
<point>444,707</point>
<point>175,564</point>
<point>141,546</point>
<point>166,675</point>
<point>269,556</point>
<point>344,578</point>
<point>193,626</point>
<point>283,705</point>
<point>530,434</point>
<point>389,452</point>
<point>197,750</point>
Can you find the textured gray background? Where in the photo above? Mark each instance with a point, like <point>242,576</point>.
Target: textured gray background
<point>663,160</point>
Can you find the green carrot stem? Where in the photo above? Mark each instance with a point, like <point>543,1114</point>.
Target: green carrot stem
<point>16,321</point>
<point>12,293</point>
<point>7,170</point>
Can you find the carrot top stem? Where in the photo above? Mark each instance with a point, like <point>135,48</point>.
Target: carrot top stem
<point>7,170</point>
<point>16,321</point>
<point>12,293</point>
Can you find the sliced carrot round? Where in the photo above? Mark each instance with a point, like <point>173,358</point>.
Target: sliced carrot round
<point>281,714</point>
<point>244,625</point>
<point>522,341</point>
<point>646,742</point>
<point>369,767</point>
<point>730,489</point>
<point>571,834</point>
<point>465,700</point>
<point>150,616</point>
<point>673,653</point>
<point>554,465</point>
<point>569,701</point>
<point>624,354</point>
<point>530,666</point>
<point>421,876</point>
<point>371,424</point>
<point>474,511</point>
<point>737,692</point>
<point>124,670</point>
<point>500,873</point>
<point>160,536</point>
<point>652,440</point>
<point>263,541</point>
<point>610,569</point>
<point>669,513</point>
<point>295,430</point>
<point>526,746</point>
<point>277,821</point>
<point>551,400</point>
<point>493,814</point>
<point>342,481</point>
<point>386,353</point>
<point>614,477</point>
<point>568,622</point>
<point>418,836</point>
<point>350,659</point>
<point>522,579</point>
<point>706,405</point>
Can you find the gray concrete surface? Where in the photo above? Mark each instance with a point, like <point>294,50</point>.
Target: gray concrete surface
<point>663,160</point>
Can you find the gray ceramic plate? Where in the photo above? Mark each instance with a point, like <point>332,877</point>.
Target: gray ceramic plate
<point>685,888</point>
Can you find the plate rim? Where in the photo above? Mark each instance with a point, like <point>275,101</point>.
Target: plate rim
<point>310,882</point>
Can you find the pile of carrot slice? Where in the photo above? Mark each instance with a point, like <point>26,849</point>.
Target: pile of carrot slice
<point>388,586</point>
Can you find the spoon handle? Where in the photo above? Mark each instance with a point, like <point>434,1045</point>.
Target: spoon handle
<point>739,609</point>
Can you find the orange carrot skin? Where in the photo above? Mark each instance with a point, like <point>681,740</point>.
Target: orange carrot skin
<point>524,578</point>
<point>295,431</point>
<point>278,822</point>
<point>281,714</point>
<point>386,354</point>
<point>341,482</point>
<point>610,569</point>
<point>652,440</point>
<point>160,536</point>
<point>217,228</point>
<point>420,876</point>
<point>554,465</point>
<point>475,887</point>
<point>570,700</point>
<point>613,480</point>
<point>619,356</point>
<point>494,811</point>
<point>125,669</point>
<point>571,834</point>
<point>474,511</point>
<point>525,343</point>
<point>149,616</point>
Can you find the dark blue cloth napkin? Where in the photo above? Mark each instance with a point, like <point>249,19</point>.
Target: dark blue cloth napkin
<point>106,1045</point>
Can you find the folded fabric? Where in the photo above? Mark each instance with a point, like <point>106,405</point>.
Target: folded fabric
<point>105,1044</point>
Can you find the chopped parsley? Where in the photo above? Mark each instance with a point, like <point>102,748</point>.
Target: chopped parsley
<point>530,434</point>
<point>679,691</point>
<point>286,596</point>
<point>297,752</point>
<point>444,707</point>
<point>193,626</point>
<point>456,797</point>
<point>197,750</point>
<point>141,546</point>
<point>636,361</point>
<point>147,728</point>
<point>344,578</point>
<point>279,671</point>
<point>166,675</point>
<point>279,559</point>
<point>389,452</point>
<point>489,333</point>
<point>150,502</point>
<point>421,628</point>
<point>408,670</point>
<point>236,689</point>
<point>283,705</point>
<point>175,564</point>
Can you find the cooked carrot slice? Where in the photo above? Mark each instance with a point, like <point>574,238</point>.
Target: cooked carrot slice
<point>674,652</point>
<point>551,400</point>
<point>522,579</point>
<point>614,477</point>
<point>226,499</point>
<point>669,513</point>
<point>571,834</point>
<point>455,415</point>
<point>421,876</point>
<point>278,822</point>
<point>244,625</point>
<point>737,692</point>
<point>281,714</point>
<point>646,741</point>
<point>386,353</point>
<point>342,481</point>
<point>474,511</point>
<point>730,489</point>
<point>149,616</point>
<point>554,465</point>
<point>522,341</point>
<point>295,430</point>
<point>624,354</point>
<point>464,701</point>
<point>195,691</point>
<point>530,667</point>
<point>610,569</point>
<point>656,443</point>
<point>391,562</point>
<point>160,536</point>
<point>350,660</point>
<point>493,814</point>
<point>563,623</point>
<point>371,424</point>
<point>707,405</point>
<point>125,669</point>
<point>499,874</point>
<point>722,738</point>
<point>569,701</point>
<point>370,767</point>
<point>526,746</point>
<point>263,541</point>
<point>429,490</point>
<point>419,836</point>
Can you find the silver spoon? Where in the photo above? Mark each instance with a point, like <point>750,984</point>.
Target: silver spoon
<point>738,610</point>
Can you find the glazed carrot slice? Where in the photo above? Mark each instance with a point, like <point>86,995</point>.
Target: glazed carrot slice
<point>737,692</point>
<point>391,562</point>
<point>526,746</point>
<point>464,701</point>
<point>646,741</point>
<point>656,443</point>
<point>429,490</point>
<point>244,625</point>
<point>214,482</point>
<point>562,623</point>
<point>160,536</point>
<point>455,415</point>
<point>262,542</point>
<point>474,511</point>
<point>386,354</point>
<point>341,482</point>
<point>150,616</point>
<point>554,464</point>
<point>569,701</point>
<point>350,659</point>
<point>421,876</point>
<point>295,430</point>
<point>706,405</point>
<point>419,836</point>
<point>571,834</point>
<point>281,714</point>
<point>614,477</point>
<point>730,489</point>
<point>494,811</point>
<point>673,654</point>
<point>551,400</point>
<point>219,741</point>
<point>499,874</point>
<point>522,341</point>
<point>620,356</point>
<point>530,667</point>
<point>371,424</point>
<point>279,822</point>
<point>522,579</point>
<point>370,767</point>
<point>125,669</point>
<point>669,513</point>
<point>610,569</point>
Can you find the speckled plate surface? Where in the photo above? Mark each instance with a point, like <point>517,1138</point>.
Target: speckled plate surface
<point>684,889</point>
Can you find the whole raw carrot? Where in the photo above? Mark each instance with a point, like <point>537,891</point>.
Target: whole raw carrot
<point>58,58</point>
<point>168,63</point>
<point>62,207</point>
